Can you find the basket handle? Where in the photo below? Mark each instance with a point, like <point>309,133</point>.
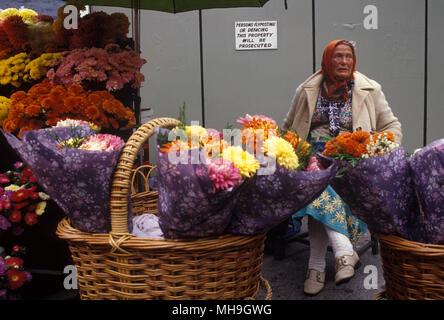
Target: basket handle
<point>122,175</point>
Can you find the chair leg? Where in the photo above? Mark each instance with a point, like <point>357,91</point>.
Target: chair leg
<point>375,245</point>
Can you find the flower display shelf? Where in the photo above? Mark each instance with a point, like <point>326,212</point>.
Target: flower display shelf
<point>119,265</point>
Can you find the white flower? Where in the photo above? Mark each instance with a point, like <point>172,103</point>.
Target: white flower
<point>13,187</point>
<point>44,196</point>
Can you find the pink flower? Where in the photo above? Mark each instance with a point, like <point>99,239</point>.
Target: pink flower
<point>102,142</point>
<point>314,164</point>
<point>223,173</point>
<point>245,121</point>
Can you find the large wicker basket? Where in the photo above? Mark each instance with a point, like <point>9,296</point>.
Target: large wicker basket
<point>412,270</point>
<point>120,265</point>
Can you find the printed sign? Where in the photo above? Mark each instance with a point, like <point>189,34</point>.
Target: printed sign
<point>255,35</point>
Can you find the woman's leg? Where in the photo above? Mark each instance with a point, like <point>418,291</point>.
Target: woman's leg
<point>346,258</point>
<point>318,244</point>
<point>340,243</point>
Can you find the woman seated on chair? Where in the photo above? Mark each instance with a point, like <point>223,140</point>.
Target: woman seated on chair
<point>334,100</point>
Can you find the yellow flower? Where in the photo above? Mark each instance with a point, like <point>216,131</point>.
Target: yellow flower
<point>28,15</point>
<point>244,161</point>
<point>38,67</point>
<point>197,131</point>
<point>4,14</point>
<point>4,108</point>
<point>41,206</point>
<point>282,151</point>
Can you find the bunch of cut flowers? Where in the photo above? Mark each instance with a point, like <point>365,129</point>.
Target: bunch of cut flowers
<point>74,164</point>
<point>290,176</point>
<point>20,68</point>
<point>22,200</point>
<point>24,30</point>
<point>199,176</point>
<point>96,29</point>
<point>13,274</point>
<point>374,180</point>
<point>111,68</point>
<point>43,105</point>
<point>427,166</point>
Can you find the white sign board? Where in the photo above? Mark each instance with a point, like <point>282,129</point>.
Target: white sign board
<point>255,35</point>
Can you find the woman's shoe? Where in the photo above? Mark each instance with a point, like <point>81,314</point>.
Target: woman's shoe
<point>345,267</point>
<point>314,283</point>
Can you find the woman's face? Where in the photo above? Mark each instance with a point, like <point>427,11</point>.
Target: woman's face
<point>342,62</point>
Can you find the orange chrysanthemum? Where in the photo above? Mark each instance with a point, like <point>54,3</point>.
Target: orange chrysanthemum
<point>360,136</point>
<point>33,110</point>
<point>75,90</point>
<point>297,142</point>
<point>331,148</point>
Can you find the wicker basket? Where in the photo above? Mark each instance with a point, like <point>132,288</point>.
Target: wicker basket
<point>120,265</point>
<point>412,270</point>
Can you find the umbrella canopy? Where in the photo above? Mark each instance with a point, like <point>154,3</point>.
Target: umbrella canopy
<point>175,6</point>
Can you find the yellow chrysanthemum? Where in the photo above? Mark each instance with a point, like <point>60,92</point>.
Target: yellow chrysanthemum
<point>4,14</point>
<point>38,67</point>
<point>197,131</point>
<point>28,15</point>
<point>244,161</point>
<point>4,108</point>
<point>282,151</point>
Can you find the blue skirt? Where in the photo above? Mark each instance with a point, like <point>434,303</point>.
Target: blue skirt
<point>333,212</point>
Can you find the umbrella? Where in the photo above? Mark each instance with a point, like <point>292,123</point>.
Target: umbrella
<point>172,6</point>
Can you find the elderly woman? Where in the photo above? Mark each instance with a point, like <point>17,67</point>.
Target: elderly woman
<point>334,100</point>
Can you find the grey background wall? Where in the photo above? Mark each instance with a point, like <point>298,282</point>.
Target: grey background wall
<point>404,54</point>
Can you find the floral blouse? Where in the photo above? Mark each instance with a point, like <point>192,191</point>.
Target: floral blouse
<point>331,118</point>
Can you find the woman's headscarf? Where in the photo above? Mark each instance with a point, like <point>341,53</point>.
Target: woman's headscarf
<point>334,84</point>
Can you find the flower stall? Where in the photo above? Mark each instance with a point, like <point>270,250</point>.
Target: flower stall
<point>38,58</point>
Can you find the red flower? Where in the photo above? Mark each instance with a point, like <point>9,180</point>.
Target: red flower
<point>14,262</point>
<point>33,179</point>
<point>20,195</point>
<point>33,195</point>
<point>16,279</point>
<point>15,216</point>
<point>4,179</point>
<point>31,219</point>
<point>19,205</point>
<point>6,204</point>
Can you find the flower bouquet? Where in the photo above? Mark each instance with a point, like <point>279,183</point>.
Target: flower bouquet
<point>44,105</point>
<point>199,175</point>
<point>110,68</point>
<point>74,165</point>
<point>22,201</point>
<point>12,273</point>
<point>374,180</point>
<point>96,29</point>
<point>24,30</point>
<point>284,182</point>
<point>427,165</point>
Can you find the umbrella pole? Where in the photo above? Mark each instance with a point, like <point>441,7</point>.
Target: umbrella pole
<point>136,40</point>
<point>202,95</point>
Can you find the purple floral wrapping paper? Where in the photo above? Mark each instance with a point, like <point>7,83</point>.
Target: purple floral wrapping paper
<point>380,192</point>
<point>79,181</point>
<point>187,205</point>
<point>267,200</point>
<point>428,176</point>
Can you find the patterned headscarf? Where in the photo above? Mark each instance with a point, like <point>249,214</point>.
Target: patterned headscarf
<point>333,83</point>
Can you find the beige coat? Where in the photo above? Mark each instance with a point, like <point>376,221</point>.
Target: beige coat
<point>370,109</point>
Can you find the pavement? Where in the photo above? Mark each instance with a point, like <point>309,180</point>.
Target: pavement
<point>286,276</point>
